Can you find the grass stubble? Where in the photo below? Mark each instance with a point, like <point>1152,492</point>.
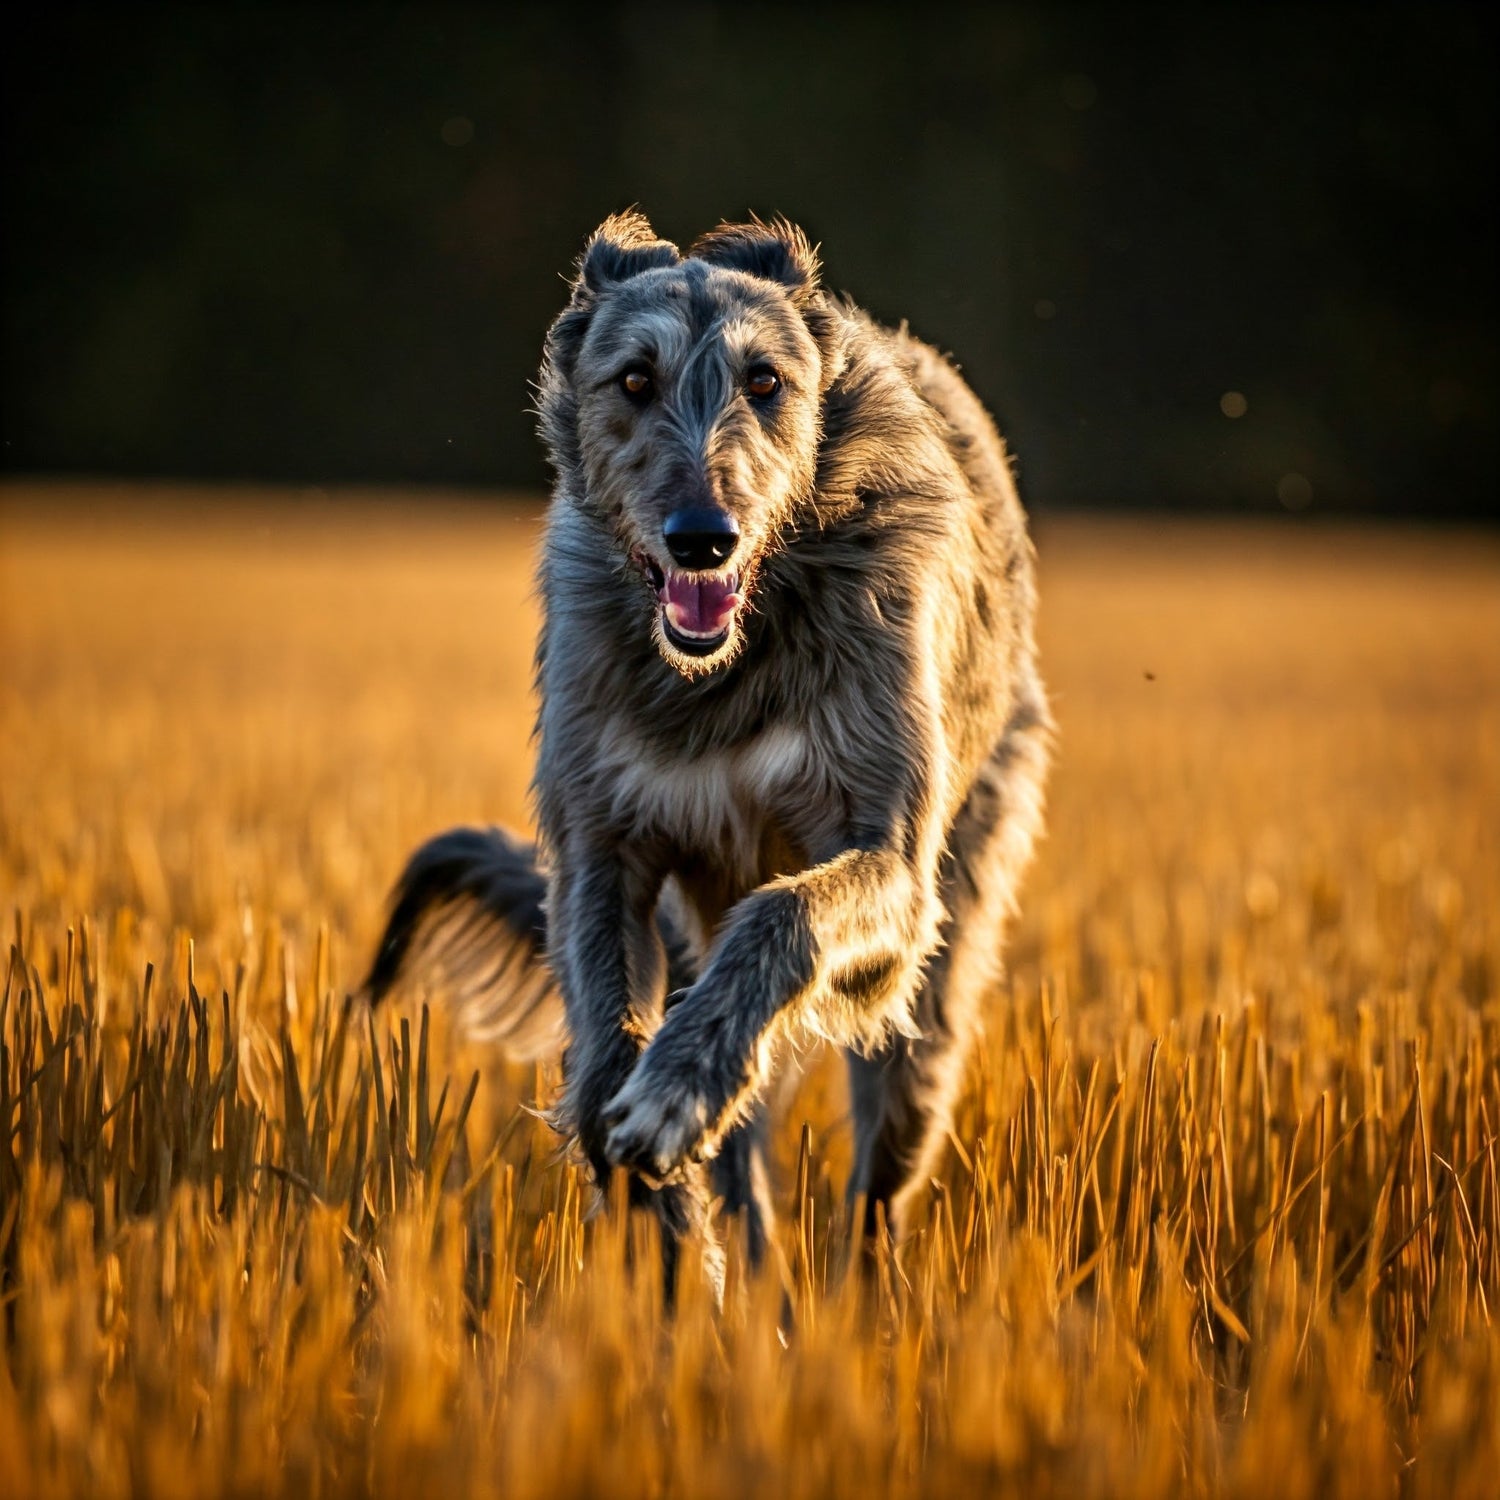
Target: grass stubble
<point>1222,1209</point>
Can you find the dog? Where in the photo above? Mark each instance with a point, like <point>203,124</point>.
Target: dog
<point>792,737</point>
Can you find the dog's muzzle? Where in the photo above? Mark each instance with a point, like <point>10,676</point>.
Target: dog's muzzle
<point>697,610</point>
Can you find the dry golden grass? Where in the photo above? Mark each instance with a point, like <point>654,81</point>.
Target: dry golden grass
<point>1222,1213</point>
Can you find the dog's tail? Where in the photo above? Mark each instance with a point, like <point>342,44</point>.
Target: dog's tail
<point>467,921</point>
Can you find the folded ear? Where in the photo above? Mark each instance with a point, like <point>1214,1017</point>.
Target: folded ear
<point>777,251</point>
<point>623,246</point>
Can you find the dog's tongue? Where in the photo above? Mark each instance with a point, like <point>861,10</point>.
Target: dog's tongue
<point>699,607</point>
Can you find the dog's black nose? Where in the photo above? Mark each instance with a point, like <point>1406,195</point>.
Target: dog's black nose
<point>701,538</point>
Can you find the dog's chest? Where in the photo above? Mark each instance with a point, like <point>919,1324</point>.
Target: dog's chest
<point>725,807</point>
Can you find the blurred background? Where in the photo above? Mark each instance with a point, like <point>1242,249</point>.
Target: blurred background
<point>1228,257</point>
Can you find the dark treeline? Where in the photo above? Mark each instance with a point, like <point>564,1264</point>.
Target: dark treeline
<point>322,243</point>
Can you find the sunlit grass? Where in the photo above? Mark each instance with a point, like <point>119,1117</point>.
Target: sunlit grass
<point>1222,1209</point>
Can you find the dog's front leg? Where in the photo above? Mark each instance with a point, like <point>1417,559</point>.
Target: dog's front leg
<point>836,949</point>
<point>611,969</point>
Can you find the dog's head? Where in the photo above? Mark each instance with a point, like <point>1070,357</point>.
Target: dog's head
<point>680,399</point>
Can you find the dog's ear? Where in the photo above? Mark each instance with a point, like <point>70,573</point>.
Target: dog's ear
<point>777,251</point>
<point>623,246</point>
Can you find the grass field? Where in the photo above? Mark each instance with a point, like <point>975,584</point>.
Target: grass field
<point>1222,1209</point>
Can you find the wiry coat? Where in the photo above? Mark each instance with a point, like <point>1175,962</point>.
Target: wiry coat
<point>817,823</point>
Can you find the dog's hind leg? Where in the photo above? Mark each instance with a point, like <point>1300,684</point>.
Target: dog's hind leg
<point>903,1095</point>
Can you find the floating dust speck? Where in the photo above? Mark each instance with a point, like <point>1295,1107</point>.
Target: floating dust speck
<point>1233,405</point>
<point>1295,491</point>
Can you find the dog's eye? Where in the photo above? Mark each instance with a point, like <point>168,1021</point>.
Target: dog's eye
<point>637,384</point>
<point>763,383</point>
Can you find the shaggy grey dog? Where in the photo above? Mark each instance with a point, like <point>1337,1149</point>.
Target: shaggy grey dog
<point>792,738</point>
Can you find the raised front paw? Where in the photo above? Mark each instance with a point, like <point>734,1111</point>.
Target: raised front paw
<point>661,1119</point>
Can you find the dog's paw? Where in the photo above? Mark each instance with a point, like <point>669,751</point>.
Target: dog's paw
<point>656,1124</point>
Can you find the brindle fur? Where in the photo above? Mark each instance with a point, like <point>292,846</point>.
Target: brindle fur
<point>819,830</point>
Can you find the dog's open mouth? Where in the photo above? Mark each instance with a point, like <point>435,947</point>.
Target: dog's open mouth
<point>697,609</point>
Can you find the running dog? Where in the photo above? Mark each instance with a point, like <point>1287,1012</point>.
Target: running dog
<point>792,735</point>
